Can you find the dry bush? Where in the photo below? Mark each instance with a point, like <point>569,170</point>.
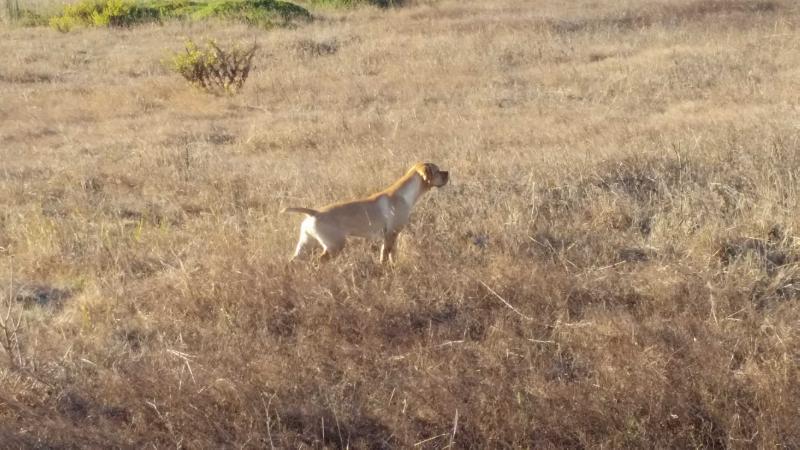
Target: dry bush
<point>614,264</point>
<point>214,69</point>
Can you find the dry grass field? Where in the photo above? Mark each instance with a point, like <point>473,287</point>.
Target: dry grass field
<point>615,263</point>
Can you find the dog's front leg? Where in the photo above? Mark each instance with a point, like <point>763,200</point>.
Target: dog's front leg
<point>387,249</point>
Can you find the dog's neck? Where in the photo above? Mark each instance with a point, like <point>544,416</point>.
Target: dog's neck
<point>410,188</point>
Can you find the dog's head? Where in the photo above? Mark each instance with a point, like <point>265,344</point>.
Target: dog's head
<point>431,175</point>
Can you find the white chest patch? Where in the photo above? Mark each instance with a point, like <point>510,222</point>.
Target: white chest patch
<point>411,191</point>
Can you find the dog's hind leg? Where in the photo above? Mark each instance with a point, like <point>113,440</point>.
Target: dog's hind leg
<point>331,240</point>
<point>331,249</point>
<point>303,244</point>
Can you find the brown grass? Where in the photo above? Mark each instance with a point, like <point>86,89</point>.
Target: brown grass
<point>624,175</point>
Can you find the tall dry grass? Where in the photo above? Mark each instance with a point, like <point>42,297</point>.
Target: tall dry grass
<point>624,175</point>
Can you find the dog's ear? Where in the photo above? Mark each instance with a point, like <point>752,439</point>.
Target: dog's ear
<point>426,171</point>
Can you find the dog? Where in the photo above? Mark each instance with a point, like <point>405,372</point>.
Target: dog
<point>380,216</point>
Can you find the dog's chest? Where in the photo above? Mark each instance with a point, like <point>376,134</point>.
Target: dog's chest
<point>396,212</point>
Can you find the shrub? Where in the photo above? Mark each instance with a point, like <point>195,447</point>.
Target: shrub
<point>102,13</point>
<point>214,69</point>
<point>75,15</point>
<point>352,3</point>
<point>265,13</point>
<point>115,13</point>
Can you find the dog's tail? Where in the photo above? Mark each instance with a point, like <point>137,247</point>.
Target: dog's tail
<point>306,211</point>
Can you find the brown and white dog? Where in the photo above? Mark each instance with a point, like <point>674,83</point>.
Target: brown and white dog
<point>380,216</point>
